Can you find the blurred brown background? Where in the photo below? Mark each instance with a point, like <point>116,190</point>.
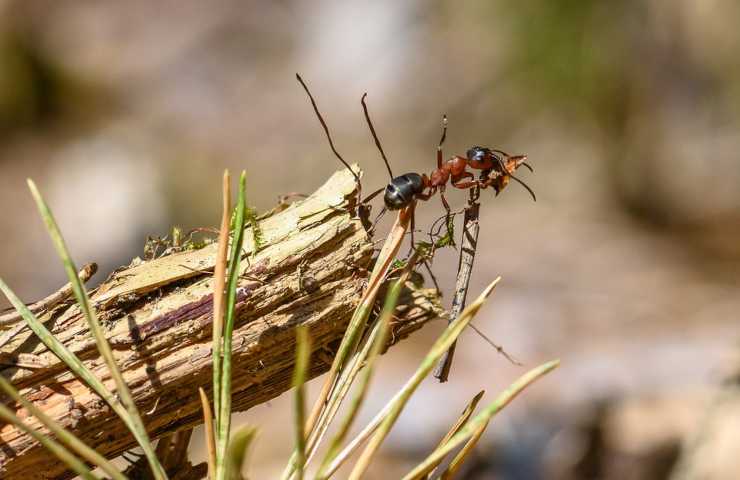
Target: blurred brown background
<point>126,113</point>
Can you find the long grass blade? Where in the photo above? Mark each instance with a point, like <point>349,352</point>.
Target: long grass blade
<point>66,437</point>
<point>54,447</point>
<point>440,346</point>
<point>224,415</point>
<point>361,437</point>
<point>208,432</point>
<point>303,353</point>
<point>135,423</point>
<point>237,453</point>
<point>219,292</point>
<point>354,329</point>
<point>45,305</point>
<point>328,395</point>
<point>66,356</point>
<point>464,453</point>
<point>377,340</point>
<point>368,430</point>
<point>352,368</point>
<point>462,419</point>
<point>483,417</point>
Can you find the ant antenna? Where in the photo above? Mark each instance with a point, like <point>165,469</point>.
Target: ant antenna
<point>326,129</point>
<point>444,131</point>
<point>534,197</point>
<point>504,171</point>
<point>375,135</point>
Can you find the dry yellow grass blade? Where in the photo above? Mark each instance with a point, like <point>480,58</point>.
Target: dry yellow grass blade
<point>462,419</point>
<point>472,426</point>
<point>219,289</point>
<point>463,454</point>
<point>399,402</point>
<point>208,431</point>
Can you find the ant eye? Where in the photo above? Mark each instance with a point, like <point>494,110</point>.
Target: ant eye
<point>477,154</point>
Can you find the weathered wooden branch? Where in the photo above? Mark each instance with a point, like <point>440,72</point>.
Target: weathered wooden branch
<point>158,318</point>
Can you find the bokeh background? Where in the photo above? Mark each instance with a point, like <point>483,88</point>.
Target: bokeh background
<point>627,267</point>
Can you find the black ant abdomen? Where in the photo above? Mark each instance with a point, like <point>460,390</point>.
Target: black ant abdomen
<point>402,190</point>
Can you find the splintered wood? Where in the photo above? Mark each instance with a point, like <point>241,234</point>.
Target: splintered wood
<point>158,315</point>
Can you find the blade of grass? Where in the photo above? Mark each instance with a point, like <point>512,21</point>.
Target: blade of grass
<point>303,352</point>
<point>209,433</point>
<point>378,339</point>
<point>368,430</point>
<point>354,331</point>
<point>45,305</point>
<point>463,454</point>
<point>49,302</point>
<point>464,416</point>
<point>54,447</point>
<point>343,384</point>
<point>219,291</point>
<point>440,346</point>
<point>354,444</point>
<point>354,365</point>
<point>136,425</point>
<point>237,452</point>
<point>62,434</point>
<point>224,416</point>
<point>483,417</point>
<point>66,356</point>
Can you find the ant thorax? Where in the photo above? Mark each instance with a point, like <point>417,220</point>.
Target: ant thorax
<point>439,177</point>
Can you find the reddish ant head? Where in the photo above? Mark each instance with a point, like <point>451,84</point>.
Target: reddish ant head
<point>511,163</point>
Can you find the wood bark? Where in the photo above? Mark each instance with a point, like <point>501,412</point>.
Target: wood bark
<point>310,270</point>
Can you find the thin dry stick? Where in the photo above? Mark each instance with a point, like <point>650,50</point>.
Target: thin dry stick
<point>46,304</point>
<point>174,454</point>
<point>464,270</point>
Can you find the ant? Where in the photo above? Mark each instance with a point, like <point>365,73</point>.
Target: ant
<point>496,168</point>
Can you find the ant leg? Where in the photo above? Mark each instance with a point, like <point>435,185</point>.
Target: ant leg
<point>413,227</point>
<point>441,141</point>
<point>458,183</point>
<point>373,195</point>
<point>444,202</point>
<point>425,196</point>
<point>363,210</point>
<point>467,185</point>
<point>377,219</point>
